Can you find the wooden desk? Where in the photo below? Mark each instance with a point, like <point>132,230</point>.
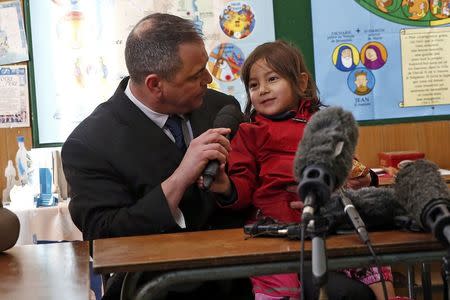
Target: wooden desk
<point>45,271</point>
<point>226,254</point>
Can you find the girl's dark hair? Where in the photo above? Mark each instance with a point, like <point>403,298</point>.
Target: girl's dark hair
<point>289,63</point>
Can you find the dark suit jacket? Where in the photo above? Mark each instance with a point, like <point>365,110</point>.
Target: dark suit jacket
<point>115,161</point>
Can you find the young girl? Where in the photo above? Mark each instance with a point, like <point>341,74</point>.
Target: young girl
<point>282,97</point>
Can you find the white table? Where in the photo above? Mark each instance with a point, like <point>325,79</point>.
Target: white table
<point>46,223</point>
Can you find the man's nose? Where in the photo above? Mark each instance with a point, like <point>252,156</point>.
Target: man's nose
<point>208,77</point>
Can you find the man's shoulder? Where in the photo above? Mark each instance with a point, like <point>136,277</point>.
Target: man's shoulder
<point>219,98</point>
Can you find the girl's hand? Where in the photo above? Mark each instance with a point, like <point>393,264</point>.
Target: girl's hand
<point>358,182</point>
<point>296,205</point>
<point>221,183</point>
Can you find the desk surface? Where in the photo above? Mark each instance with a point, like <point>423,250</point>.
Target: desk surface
<point>45,271</point>
<point>229,247</point>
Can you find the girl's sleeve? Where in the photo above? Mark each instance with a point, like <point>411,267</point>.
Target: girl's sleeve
<point>243,166</point>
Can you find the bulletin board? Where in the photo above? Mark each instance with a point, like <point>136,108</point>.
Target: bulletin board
<point>78,51</point>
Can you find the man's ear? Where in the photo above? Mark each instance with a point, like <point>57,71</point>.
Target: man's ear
<point>303,81</point>
<point>153,84</point>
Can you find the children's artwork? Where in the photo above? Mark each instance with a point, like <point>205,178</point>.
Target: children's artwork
<point>78,48</point>
<point>13,43</point>
<point>14,107</point>
<point>383,59</point>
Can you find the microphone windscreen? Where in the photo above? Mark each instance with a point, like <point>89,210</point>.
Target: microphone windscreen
<point>419,185</point>
<point>378,207</point>
<point>229,116</point>
<point>329,140</point>
<point>9,229</point>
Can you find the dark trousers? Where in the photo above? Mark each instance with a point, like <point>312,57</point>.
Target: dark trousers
<point>339,287</point>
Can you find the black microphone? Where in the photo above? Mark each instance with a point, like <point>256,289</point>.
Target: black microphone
<point>420,189</point>
<point>228,117</point>
<point>324,156</point>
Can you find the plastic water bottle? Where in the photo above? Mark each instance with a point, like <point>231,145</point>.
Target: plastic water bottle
<point>23,162</point>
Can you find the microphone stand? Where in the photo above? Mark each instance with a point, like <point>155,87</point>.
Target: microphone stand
<point>316,184</point>
<point>446,275</point>
<point>319,227</point>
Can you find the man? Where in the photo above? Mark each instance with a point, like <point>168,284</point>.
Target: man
<point>361,83</point>
<point>125,163</point>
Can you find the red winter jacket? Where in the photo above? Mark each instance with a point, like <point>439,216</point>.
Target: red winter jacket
<point>261,164</point>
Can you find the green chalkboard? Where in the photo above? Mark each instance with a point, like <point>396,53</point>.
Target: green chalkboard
<point>293,24</point>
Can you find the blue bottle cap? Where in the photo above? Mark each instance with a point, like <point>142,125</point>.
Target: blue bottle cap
<point>20,138</point>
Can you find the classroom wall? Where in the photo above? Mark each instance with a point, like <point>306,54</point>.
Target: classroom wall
<point>8,143</point>
<point>433,138</point>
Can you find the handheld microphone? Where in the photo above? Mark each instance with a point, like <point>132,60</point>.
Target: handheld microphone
<point>324,156</point>
<point>420,189</point>
<point>9,228</point>
<point>228,117</point>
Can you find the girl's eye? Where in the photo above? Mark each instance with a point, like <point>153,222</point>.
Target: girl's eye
<point>273,78</point>
<point>252,85</point>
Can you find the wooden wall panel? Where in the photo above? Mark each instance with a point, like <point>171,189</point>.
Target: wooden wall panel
<point>432,138</point>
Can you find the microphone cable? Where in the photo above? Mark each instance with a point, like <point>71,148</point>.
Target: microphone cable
<point>302,251</point>
<point>378,265</point>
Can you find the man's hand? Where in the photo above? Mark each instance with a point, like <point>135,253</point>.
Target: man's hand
<point>211,145</point>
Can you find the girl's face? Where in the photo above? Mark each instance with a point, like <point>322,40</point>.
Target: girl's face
<point>270,93</point>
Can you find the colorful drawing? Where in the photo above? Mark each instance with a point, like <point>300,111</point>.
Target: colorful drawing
<point>225,62</point>
<point>410,12</point>
<point>345,57</point>
<point>373,55</point>
<point>415,9</point>
<point>361,81</point>
<point>237,20</point>
<point>384,5</point>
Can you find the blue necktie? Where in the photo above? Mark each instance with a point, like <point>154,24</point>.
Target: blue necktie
<point>173,123</point>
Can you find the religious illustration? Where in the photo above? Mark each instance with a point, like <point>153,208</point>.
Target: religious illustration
<point>237,20</point>
<point>225,62</point>
<point>79,49</point>
<point>415,9</point>
<point>373,55</point>
<point>401,64</point>
<point>410,12</point>
<point>361,81</point>
<point>345,57</point>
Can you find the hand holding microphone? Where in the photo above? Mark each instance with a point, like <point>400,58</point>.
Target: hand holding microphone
<point>228,117</point>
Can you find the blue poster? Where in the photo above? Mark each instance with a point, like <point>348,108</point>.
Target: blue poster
<point>371,56</point>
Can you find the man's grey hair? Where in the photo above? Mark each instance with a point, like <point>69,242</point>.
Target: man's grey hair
<point>152,46</point>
